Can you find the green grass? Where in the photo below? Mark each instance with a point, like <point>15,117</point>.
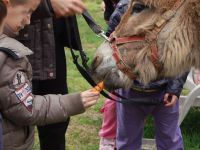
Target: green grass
<point>82,133</point>
<point>83,130</point>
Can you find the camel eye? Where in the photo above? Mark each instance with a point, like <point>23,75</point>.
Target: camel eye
<point>137,8</point>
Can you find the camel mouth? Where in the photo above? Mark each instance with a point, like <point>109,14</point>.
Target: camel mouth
<point>110,78</point>
<point>98,78</point>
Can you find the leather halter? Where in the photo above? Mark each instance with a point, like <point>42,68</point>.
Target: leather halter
<point>119,60</point>
<point>150,38</point>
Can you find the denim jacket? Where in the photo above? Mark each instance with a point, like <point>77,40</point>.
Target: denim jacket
<point>40,36</point>
<point>171,85</point>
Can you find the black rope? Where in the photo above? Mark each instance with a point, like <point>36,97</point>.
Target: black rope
<point>91,23</point>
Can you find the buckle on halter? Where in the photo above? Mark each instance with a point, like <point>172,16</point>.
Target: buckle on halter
<point>168,14</point>
<point>103,35</point>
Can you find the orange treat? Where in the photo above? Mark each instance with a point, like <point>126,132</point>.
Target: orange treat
<point>99,87</point>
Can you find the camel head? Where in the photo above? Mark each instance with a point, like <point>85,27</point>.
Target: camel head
<point>167,43</point>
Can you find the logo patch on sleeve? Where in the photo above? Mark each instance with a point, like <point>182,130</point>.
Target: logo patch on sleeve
<point>24,95</point>
<point>19,79</point>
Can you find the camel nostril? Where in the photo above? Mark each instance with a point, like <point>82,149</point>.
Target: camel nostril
<point>97,60</point>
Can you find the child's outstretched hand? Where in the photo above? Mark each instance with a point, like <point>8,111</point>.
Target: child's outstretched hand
<point>89,98</point>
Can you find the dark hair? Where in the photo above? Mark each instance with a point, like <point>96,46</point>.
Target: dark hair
<point>3,11</point>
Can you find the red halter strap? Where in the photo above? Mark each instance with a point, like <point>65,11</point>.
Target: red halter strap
<point>119,60</point>
<point>151,38</point>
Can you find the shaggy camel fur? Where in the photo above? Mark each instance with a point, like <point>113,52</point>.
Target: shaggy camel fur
<point>178,43</point>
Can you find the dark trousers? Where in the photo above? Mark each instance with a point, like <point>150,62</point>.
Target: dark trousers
<point>52,137</point>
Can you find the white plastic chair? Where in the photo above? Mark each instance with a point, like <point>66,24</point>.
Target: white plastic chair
<point>192,99</point>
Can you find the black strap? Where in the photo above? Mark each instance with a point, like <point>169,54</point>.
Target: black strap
<point>74,27</point>
<point>87,76</point>
<point>75,57</point>
<point>92,24</point>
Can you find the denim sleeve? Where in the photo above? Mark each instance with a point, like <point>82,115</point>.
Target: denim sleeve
<point>175,86</point>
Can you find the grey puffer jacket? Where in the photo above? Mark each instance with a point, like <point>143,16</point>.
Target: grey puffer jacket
<point>20,109</point>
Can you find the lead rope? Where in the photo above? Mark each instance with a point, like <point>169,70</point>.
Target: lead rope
<point>86,74</point>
